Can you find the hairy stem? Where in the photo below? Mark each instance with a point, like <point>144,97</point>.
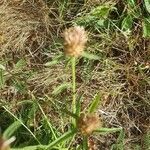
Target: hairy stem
<point>74,85</point>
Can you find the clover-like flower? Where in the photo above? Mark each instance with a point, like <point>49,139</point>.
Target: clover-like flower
<point>88,123</point>
<point>75,39</point>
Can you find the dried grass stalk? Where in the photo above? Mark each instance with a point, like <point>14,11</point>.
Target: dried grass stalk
<point>24,25</point>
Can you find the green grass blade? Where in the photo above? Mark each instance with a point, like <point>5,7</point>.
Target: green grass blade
<point>61,139</point>
<point>1,78</point>
<point>95,103</point>
<point>78,105</point>
<point>69,113</point>
<point>11,129</point>
<point>147,140</point>
<point>22,124</point>
<point>127,23</point>
<point>108,130</point>
<point>146,27</point>
<point>120,142</point>
<point>131,3</point>
<point>48,123</point>
<point>61,88</point>
<point>147,5</point>
<point>36,147</point>
<point>90,56</point>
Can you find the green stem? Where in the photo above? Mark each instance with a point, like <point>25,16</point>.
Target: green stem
<point>74,85</point>
<point>85,143</point>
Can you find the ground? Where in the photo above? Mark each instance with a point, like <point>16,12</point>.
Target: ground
<point>36,75</point>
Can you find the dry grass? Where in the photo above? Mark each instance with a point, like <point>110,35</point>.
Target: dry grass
<point>24,26</point>
<point>121,75</point>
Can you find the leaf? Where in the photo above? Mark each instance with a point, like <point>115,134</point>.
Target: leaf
<point>147,140</point>
<point>61,139</point>
<point>78,105</point>
<point>146,27</point>
<point>2,67</point>
<point>55,61</point>
<point>21,122</point>
<point>69,113</point>
<point>47,121</point>
<point>101,11</point>
<point>131,3</point>
<point>147,5</point>
<point>24,102</point>
<point>95,103</point>
<point>20,64</point>
<point>51,63</point>
<point>97,16</point>
<point>31,114</point>
<point>20,86</point>
<point>61,88</point>
<point>120,140</point>
<point>2,78</point>
<point>36,147</point>
<point>108,130</point>
<point>90,56</point>
<point>11,129</point>
<point>127,23</point>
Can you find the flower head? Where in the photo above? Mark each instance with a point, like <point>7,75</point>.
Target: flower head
<point>75,40</point>
<point>88,123</point>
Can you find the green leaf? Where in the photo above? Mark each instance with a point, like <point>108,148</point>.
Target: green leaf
<point>11,129</point>
<point>104,131</point>
<point>48,122</point>
<point>131,3</point>
<point>20,86</point>
<point>127,23</point>
<point>61,88</point>
<point>69,113</point>
<point>78,105</point>
<point>147,5</point>
<point>97,16</point>
<point>2,81</point>
<point>20,64</point>
<point>95,103</point>
<point>146,27</point>
<point>24,102</point>
<point>21,122</point>
<point>2,67</point>
<point>101,11</point>
<point>90,56</point>
<point>61,139</point>
<point>120,141</point>
<point>147,140</point>
<point>36,147</point>
<point>51,63</point>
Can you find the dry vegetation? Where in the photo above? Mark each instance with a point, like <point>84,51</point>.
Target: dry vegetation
<point>33,68</point>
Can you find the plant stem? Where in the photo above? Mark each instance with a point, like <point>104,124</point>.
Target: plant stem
<point>85,143</point>
<point>74,85</point>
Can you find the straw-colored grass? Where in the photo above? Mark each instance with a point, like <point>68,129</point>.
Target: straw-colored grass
<point>24,26</point>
